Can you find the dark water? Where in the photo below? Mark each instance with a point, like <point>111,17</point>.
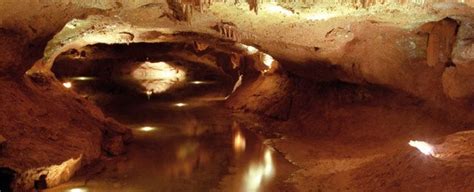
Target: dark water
<point>182,143</point>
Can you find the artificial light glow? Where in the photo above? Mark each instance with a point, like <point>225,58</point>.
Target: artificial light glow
<point>149,93</point>
<point>253,178</point>
<point>201,82</point>
<point>320,16</point>
<point>82,78</point>
<point>268,60</point>
<point>268,163</point>
<point>158,77</point>
<point>239,142</point>
<point>147,129</point>
<point>67,85</point>
<point>180,104</point>
<point>250,49</point>
<point>423,147</point>
<point>197,82</point>
<point>277,9</point>
<point>78,190</point>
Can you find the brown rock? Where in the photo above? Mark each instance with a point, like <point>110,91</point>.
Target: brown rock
<point>458,80</point>
<point>440,42</point>
<point>2,141</point>
<point>114,128</point>
<point>114,146</point>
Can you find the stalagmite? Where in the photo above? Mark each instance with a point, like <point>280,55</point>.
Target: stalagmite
<point>236,86</point>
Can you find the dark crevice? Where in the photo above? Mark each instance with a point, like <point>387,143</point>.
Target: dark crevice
<point>7,176</point>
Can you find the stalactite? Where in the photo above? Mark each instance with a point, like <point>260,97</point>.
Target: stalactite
<point>179,12</point>
<point>187,6</point>
<point>188,11</point>
<point>199,47</point>
<point>228,31</point>
<point>360,3</point>
<point>225,29</point>
<point>253,5</point>
<point>235,60</point>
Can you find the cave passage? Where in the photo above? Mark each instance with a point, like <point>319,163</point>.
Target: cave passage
<point>236,96</point>
<point>184,137</point>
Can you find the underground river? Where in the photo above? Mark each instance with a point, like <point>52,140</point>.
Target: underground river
<point>182,142</point>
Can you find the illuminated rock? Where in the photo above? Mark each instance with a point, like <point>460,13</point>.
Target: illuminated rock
<point>360,42</point>
<point>54,174</point>
<point>442,35</point>
<point>155,77</point>
<point>458,78</point>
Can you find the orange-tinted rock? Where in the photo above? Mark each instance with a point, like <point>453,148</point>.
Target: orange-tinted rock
<point>458,80</point>
<point>441,41</point>
<point>114,145</point>
<point>267,94</point>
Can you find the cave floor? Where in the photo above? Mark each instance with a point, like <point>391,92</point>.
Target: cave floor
<point>364,147</point>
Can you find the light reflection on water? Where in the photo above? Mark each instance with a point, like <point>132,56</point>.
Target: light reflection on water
<point>158,77</point>
<point>184,149</point>
<point>259,172</point>
<point>239,139</point>
<point>147,129</point>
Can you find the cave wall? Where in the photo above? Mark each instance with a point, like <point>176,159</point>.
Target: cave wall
<point>397,55</point>
<point>429,56</point>
<point>38,115</point>
<point>368,48</point>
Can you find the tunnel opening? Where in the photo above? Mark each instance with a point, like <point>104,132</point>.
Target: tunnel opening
<point>136,65</point>
<point>172,96</point>
<point>7,176</point>
<point>168,74</point>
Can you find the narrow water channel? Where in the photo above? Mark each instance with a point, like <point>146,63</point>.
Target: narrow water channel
<point>182,142</point>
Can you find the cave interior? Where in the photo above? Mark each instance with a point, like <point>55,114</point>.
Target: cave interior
<point>154,95</point>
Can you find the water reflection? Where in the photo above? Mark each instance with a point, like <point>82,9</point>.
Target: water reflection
<point>239,139</point>
<point>78,190</point>
<point>82,78</point>
<point>180,104</point>
<point>158,77</point>
<point>198,147</point>
<point>147,129</point>
<point>190,156</point>
<point>258,172</point>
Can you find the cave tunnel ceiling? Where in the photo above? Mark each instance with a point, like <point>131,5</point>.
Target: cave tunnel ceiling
<point>346,66</point>
<point>341,44</point>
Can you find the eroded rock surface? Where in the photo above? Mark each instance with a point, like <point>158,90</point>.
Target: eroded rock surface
<point>424,51</point>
